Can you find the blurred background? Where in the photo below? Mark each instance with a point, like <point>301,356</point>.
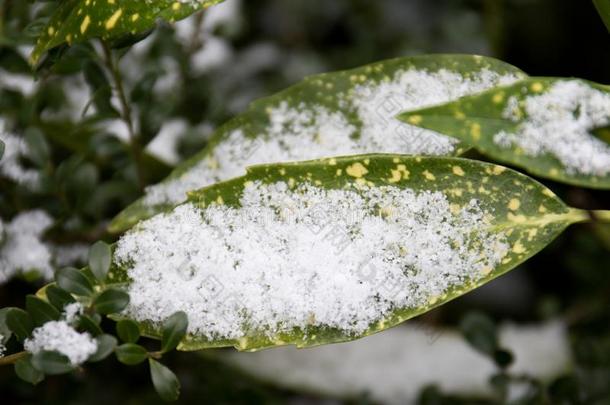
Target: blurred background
<point>549,318</point>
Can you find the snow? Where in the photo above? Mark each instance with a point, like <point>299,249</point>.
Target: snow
<point>286,259</point>
<point>558,122</point>
<point>23,249</point>
<point>11,166</point>
<point>310,131</point>
<point>61,337</point>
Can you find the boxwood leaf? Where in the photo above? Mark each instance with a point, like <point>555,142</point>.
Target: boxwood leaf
<point>331,114</point>
<point>51,362</point>
<point>26,371</point>
<point>543,125</point>
<point>41,311</point>
<point>111,301</point>
<point>524,213</point>
<point>57,297</point>
<point>105,346</point>
<point>174,330</point>
<point>99,260</point>
<point>131,354</point>
<point>73,281</point>
<point>80,20</point>
<point>19,322</point>
<point>164,380</point>
<point>128,331</point>
<point>89,324</point>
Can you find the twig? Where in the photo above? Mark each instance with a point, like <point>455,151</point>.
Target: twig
<point>136,149</point>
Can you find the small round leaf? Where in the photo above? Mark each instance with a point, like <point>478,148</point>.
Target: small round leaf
<point>51,363</point>
<point>74,281</point>
<point>58,297</point>
<point>128,331</point>
<point>19,322</point>
<point>131,354</point>
<point>111,301</point>
<point>165,381</point>
<point>100,257</point>
<point>26,371</point>
<point>40,311</point>
<point>174,330</point>
<point>105,345</point>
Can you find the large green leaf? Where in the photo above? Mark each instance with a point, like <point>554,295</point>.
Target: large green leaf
<point>524,213</point>
<point>603,8</point>
<point>80,20</point>
<point>544,125</point>
<point>333,114</point>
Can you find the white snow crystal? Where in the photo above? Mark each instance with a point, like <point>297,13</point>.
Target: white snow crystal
<point>72,311</point>
<point>11,166</point>
<point>558,123</point>
<point>61,337</point>
<point>2,346</point>
<point>305,131</point>
<point>23,250</point>
<point>342,259</point>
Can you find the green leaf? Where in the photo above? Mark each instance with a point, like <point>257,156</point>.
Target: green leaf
<point>105,346</point>
<point>73,281</point>
<point>174,330</point>
<point>58,297</point>
<point>131,354</point>
<point>361,107</point>
<point>507,124</point>
<point>111,301</point>
<point>128,331</point>
<point>165,381</point>
<point>603,8</point>
<point>26,371</point>
<point>480,331</point>
<point>100,257</point>
<point>5,331</point>
<point>19,322</point>
<point>80,20</point>
<point>2,147</point>
<point>89,324</point>
<point>51,362</point>
<point>527,215</point>
<point>41,311</point>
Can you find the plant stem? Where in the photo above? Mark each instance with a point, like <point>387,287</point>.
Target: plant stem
<point>12,358</point>
<point>126,116</point>
<point>600,216</point>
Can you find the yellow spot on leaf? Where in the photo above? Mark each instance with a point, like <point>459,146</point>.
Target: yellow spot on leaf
<point>497,170</point>
<point>111,22</point>
<point>537,87</point>
<point>516,218</point>
<point>514,204</point>
<point>415,119</point>
<point>428,175</point>
<point>518,248</point>
<point>475,131</point>
<point>498,97</point>
<point>85,24</point>
<point>356,170</point>
<point>458,171</point>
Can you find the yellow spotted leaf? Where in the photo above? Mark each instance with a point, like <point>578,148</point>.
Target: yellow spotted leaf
<point>331,114</point>
<point>552,127</point>
<point>80,20</point>
<point>490,219</point>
